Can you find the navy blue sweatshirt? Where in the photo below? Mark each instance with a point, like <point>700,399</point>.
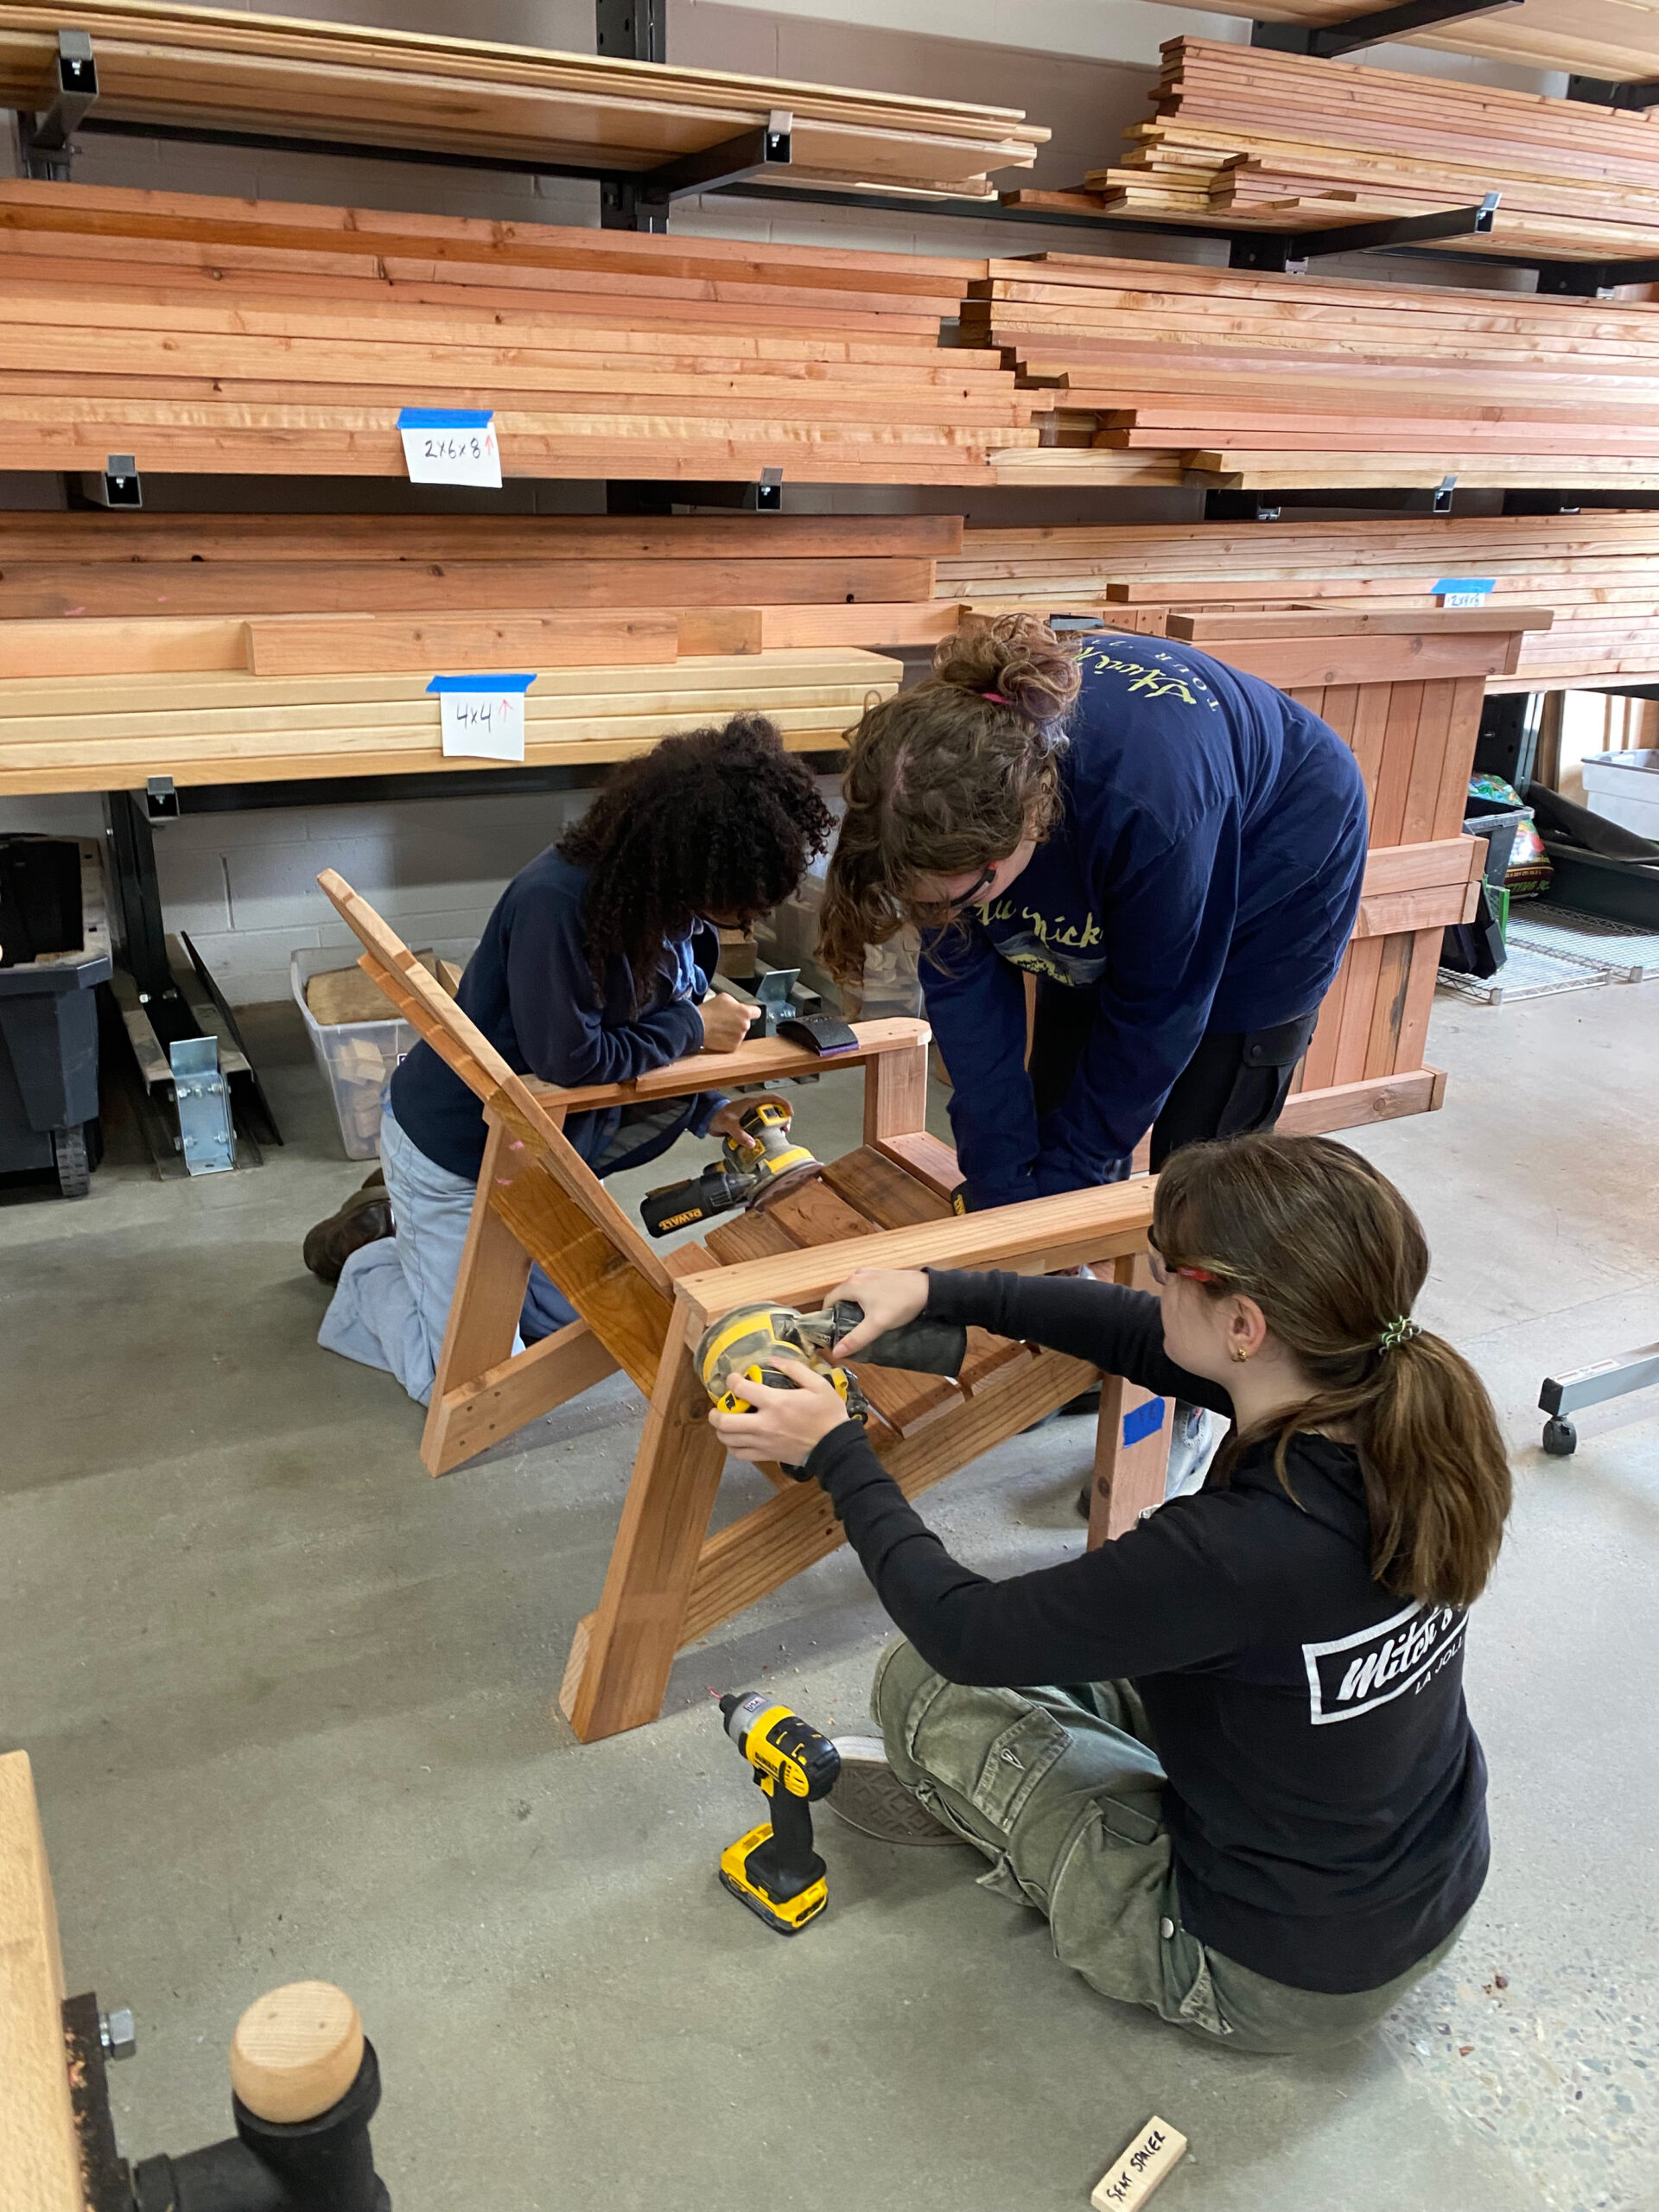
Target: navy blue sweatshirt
<point>530,990</point>
<point>1205,874</point>
<point>1325,1799</point>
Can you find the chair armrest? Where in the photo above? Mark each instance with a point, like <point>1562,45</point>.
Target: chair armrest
<point>1036,1236</point>
<point>765,1059</point>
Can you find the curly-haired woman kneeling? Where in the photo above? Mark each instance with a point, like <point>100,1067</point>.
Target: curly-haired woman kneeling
<point>1251,1799</point>
<point>593,968</point>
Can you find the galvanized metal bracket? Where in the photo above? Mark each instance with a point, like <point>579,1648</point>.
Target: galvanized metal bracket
<point>204,1106</point>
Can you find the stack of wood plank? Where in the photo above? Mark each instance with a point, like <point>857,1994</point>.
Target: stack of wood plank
<point>233,336</point>
<point>364,85</point>
<point>111,593</point>
<point>75,732</point>
<point>1244,136</point>
<point>1244,380</point>
<point>1598,573</point>
<point>1606,39</point>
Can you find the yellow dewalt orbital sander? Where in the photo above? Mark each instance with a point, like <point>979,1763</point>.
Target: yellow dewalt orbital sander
<point>774,1869</point>
<point>752,1171</point>
<point>744,1345</point>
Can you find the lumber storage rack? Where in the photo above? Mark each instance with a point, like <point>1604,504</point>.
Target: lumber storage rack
<point>751,164</point>
<point>633,200</point>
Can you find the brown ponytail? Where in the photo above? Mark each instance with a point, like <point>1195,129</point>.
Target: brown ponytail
<point>1335,1257</point>
<point>943,778</point>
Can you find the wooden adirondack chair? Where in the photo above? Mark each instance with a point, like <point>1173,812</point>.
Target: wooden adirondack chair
<point>885,1204</point>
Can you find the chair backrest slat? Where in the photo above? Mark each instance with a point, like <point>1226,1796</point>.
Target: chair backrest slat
<point>463,1045</point>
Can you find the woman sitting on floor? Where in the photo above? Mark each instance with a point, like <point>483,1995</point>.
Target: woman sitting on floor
<point>1251,1799</point>
<point>593,969</point>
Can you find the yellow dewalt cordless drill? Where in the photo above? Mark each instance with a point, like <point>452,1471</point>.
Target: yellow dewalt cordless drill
<point>753,1170</point>
<point>773,1868</point>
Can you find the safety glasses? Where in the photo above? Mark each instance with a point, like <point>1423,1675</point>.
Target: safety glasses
<point>1163,1274</point>
<point>976,891</point>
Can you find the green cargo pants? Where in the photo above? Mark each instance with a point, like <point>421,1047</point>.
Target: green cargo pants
<point>1063,1792</point>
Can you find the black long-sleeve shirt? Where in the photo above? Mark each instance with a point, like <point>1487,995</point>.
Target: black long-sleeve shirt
<point>1326,1794</point>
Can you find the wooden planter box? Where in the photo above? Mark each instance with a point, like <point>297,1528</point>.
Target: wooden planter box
<point>1406,691</point>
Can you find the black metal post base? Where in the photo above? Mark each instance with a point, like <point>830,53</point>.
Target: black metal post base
<point>325,2164</point>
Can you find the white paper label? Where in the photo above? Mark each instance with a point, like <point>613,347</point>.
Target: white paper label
<point>483,725</point>
<point>453,456</point>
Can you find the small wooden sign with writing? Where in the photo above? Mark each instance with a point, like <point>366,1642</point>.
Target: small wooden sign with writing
<point>1128,2183</point>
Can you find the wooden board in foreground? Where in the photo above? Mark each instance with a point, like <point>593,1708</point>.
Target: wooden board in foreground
<point>40,2166</point>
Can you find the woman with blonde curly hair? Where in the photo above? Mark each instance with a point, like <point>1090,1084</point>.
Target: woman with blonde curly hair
<point>1174,850</point>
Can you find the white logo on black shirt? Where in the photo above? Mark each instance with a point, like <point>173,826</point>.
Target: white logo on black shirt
<point>1358,1673</point>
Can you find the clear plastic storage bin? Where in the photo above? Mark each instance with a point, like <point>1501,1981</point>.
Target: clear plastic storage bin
<point>355,1057</point>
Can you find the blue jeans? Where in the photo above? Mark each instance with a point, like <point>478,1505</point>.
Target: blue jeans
<point>390,1307</point>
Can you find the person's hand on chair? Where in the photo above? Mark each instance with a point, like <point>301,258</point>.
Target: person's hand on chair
<point>725,1022</point>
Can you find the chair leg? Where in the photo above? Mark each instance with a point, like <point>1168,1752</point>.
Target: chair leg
<point>484,1311</point>
<point>618,1680</point>
<point>1131,1443</point>
<point>481,1392</point>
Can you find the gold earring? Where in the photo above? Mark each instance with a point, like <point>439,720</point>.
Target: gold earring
<point>1239,1352</point>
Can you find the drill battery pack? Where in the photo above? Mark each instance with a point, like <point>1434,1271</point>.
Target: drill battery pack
<point>749,1870</point>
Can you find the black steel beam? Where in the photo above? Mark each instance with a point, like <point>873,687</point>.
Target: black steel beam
<point>1285,249</point>
<point>751,153</point>
<point>1328,41</point>
<point>1588,280</point>
<point>1597,92</point>
<point>262,141</point>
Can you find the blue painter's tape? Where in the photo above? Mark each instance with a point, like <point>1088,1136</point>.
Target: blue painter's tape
<point>1466,584</point>
<point>445,418</point>
<point>1145,1421</point>
<point>481,682</point>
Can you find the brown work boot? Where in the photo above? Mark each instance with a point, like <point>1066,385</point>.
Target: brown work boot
<point>363,1219</point>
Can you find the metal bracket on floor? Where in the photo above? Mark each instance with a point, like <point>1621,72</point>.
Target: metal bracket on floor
<point>1329,42</point>
<point>204,1106</point>
<point>47,147</point>
<point>1289,252</point>
<point>641,202</point>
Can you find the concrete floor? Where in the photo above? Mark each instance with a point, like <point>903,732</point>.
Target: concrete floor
<point>291,1708</point>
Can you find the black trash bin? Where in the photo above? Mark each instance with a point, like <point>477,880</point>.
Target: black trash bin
<point>51,962</point>
<point>1477,948</point>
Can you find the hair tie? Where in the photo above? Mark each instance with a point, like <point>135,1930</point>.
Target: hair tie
<point>1399,1330</point>
<point>996,698</point>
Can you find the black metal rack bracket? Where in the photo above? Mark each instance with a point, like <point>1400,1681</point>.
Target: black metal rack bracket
<point>1290,251</point>
<point>45,138</point>
<point>1596,91</point>
<point>1329,42</point>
